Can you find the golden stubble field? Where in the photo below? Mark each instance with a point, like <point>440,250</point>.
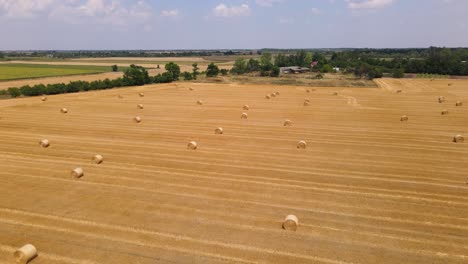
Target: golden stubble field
<point>368,188</point>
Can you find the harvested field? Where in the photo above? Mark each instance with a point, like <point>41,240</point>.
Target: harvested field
<point>367,189</point>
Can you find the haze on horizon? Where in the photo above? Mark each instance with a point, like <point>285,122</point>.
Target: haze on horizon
<point>231,24</point>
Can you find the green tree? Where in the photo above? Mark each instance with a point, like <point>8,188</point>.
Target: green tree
<point>188,76</point>
<point>398,73</point>
<point>252,65</point>
<point>224,72</point>
<point>275,71</point>
<point>239,67</point>
<point>212,70</point>
<point>115,68</point>
<point>174,69</point>
<point>14,92</point>
<point>135,75</point>
<point>195,71</point>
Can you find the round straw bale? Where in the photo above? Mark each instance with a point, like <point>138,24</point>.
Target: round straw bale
<point>25,254</point>
<point>64,110</point>
<point>287,122</point>
<point>277,93</point>
<point>98,159</point>
<point>244,116</point>
<point>306,102</point>
<point>219,131</point>
<point>399,91</point>
<point>191,89</point>
<point>458,139</point>
<point>200,102</point>
<point>449,84</point>
<point>335,93</point>
<point>441,99</point>
<point>267,96</point>
<point>77,173</point>
<point>120,96</point>
<point>404,118</point>
<point>44,143</point>
<point>307,90</point>
<point>141,94</point>
<point>444,112</point>
<point>43,98</point>
<point>246,107</point>
<point>137,119</point>
<point>290,223</point>
<point>301,144</point>
<point>192,145</point>
<point>140,106</point>
<point>273,95</point>
<point>459,103</point>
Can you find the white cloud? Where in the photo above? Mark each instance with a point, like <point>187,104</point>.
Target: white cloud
<point>114,12</point>
<point>268,3</point>
<point>286,21</point>
<point>316,11</point>
<point>24,8</point>
<point>368,4</point>
<point>170,13</point>
<point>101,12</point>
<point>222,10</point>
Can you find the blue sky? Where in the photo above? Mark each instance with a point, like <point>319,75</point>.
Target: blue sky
<point>231,24</point>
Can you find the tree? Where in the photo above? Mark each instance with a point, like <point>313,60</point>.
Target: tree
<point>157,67</point>
<point>266,60</point>
<point>398,73</point>
<point>239,67</point>
<point>275,71</point>
<point>195,71</point>
<point>174,69</point>
<point>115,68</point>
<point>136,75</point>
<point>14,92</point>
<point>188,76</point>
<point>212,70</point>
<point>252,66</point>
<point>224,72</point>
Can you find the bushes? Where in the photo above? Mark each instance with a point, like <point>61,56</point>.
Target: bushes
<point>188,76</point>
<point>134,76</point>
<point>212,70</point>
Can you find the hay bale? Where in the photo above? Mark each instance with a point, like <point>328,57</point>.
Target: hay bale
<point>267,96</point>
<point>287,123</point>
<point>137,119</point>
<point>190,89</point>
<point>335,93</point>
<point>307,91</point>
<point>449,84</point>
<point>120,96</point>
<point>219,131</point>
<point>404,118</point>
<point>43,98</point>
<point>200,102</point>
<point>141,94</point>
<point>399,91</point>
<point>273,95</point>
<point>290,223</point>
<point>459,103</point>
<point>306,102</point>
<point>441,99</point>
<point>458,139</point>
<point>192,145</point>
<point>77,173</point>
<point>444,112</point>
<point>277,93</point>
<point>98,159</point>
<point>140,106</point>
<point>25,254</point>
<point>301,144</point>
<point>246,107</point>
<point>44,143</point>
<point>64,110</point>
<point>244,116</point>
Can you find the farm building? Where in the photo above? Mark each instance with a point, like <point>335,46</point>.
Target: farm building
<point>294,69</point>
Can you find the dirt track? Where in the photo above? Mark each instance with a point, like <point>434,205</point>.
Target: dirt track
<point>368,189</point>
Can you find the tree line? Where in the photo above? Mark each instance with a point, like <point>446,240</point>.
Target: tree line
<point>133,76</point>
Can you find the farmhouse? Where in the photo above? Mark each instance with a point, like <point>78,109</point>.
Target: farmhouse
<point>294,69</point>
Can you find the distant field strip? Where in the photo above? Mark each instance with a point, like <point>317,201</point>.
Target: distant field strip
<point>31,71</point>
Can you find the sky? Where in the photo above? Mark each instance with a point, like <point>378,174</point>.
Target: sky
<point>231,24</point>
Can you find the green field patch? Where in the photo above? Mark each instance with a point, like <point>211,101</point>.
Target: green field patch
<point>30,71</point>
